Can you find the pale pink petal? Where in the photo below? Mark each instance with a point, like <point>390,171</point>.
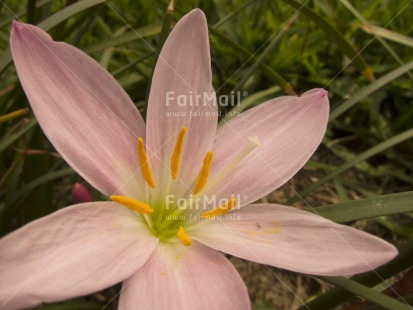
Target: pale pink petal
<point>289,129</point>
<point>185,278</point>
<point>75,251</point>
<point>86,115</point>
<point>293,239</point>
<point>183,70</point>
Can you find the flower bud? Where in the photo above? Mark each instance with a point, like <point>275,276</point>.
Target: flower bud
<point>80,194</point>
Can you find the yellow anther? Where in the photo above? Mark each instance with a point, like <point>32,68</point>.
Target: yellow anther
<point>132,204</point>
<point>184,237</point>
<point>222,209</point>
<point>176,154</point>
<point>203,173</point>
<point>144,163</point>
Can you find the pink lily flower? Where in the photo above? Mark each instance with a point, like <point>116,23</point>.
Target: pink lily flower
<point>166,252</point>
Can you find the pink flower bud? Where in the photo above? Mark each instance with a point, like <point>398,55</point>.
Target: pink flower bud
<point>80,194</point>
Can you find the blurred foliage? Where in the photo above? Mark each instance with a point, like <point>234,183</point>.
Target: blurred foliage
<point>261,47</point>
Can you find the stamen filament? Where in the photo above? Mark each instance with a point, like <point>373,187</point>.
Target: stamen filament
<point>222,209</point>
<point>144,163</point>
<point>203,173</point>
<point>132,204</point>
<point>184,237</point>
<point>253,143</point>
<point>177,153</point>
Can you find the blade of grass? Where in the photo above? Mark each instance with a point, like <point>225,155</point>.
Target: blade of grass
<point>6,20</point>
<point>401,229</point>
<point>127,37</point>
<point>359,187</point>
<point>10,170</point>
<point>340,189</point>
<point>383,42</point>
<point>408,299</point>
<point>9,139</point>
<point>12,115</point>
<point>29,187</point>
<point>335,37</point>
<point>69,12</point>
<point>378,171</point>
<point>366,292</point>
<point>166,25</point>
<point>13,99</point>
<point>387,34</point>
<point>367,208</point>
<point>363,156</point>
<point>79,27</point>
<point>132,64</point>
<point>267,70</point>
<point>15,203</point>
<point>107,54</point>
<point>40,201</point>
<point>233,13</point>
<point>369,89</point>
<point>86,24</point>
<point>260,59</point>
<point>166,28</point>
<point>336,296</point>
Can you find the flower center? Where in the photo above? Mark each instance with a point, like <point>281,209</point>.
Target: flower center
<point>166,220</point>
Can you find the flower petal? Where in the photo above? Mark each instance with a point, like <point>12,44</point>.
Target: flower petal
<point>75,251</point>
<point>289,129</point>
<point>182,73</point>
<point>86,115</point>
<point>293,239</point>
<point>185,278</point>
